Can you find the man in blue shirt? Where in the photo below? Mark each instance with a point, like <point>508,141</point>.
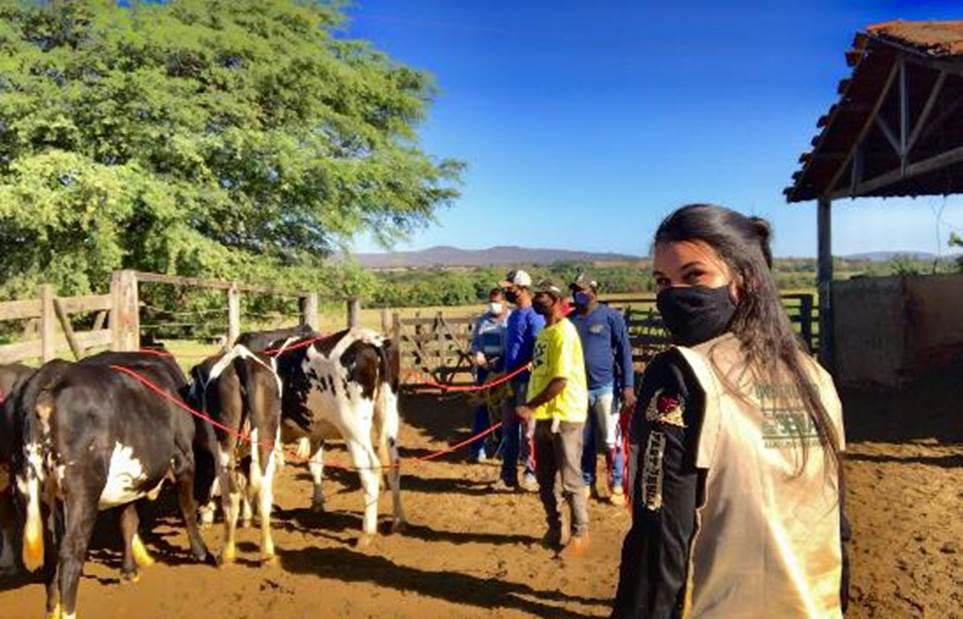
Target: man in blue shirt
<point>487,353</point>
<point>608,368</point>
<point>523,327</point>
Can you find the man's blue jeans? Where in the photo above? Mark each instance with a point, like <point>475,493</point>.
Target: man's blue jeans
<point>603,423</point>
<point>481,421</point>
<point>518,435</point>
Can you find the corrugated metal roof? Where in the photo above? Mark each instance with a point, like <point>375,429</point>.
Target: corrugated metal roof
<point>873,57</point>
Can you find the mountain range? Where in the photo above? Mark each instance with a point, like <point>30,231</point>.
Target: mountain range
<point>505,255</point>
<point>444,255</point>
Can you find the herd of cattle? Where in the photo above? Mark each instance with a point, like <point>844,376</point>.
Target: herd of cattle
<point>109,430</point>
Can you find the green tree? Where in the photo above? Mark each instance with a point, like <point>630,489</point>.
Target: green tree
<point>228,139</point>
<point>957,241</point>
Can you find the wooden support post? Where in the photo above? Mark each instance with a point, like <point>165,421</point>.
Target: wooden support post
<point>825,280</point>
<point>124,312</point>
<point>309,311</point>
<point>384,321</point>
<point>396,330</point>
<point>354,312</point>
<point>233,315</point>
<point>64,319</point>
<point>806,319</point>
<point>47,321</point>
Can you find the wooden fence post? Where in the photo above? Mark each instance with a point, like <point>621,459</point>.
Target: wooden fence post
<point>354,312</point>
<point>384,321</point>
<point>233,314</point>
<point>125,311</point>
<point>396,331</point>
<point>309,311</point>
<point>48,346</point>
<point>64,319</point>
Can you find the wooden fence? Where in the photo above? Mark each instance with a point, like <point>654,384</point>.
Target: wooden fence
<point>437,345</point>
<point>46,311</point>
<point>116,323</point>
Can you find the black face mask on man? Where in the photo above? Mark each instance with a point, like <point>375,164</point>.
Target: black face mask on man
<point>542,304</point>
<point>695,314</point>
<point>511,296</point>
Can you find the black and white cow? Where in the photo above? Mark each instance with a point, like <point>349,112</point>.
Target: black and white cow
<point>345,385</point>
<point>240,390</point>
<point>11,376</point>
<point>95,438</point>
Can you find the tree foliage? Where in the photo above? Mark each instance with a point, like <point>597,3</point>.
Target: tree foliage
<point>239,138</point>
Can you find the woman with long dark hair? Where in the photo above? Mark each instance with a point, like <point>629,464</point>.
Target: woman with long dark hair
<point>734,467</point>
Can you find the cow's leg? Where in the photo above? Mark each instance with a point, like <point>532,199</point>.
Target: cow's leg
<point>183,469</point>
<point>247,512</point>
<point>265,499</point>
<point>316,466</point>
<point>366,461</point>
<point>53,533</point>
<point>230,500</point>
<point>394,481</point>
<point>207,510</point>
<point>391,420</point>
<point>80,513</point>
<point>135,554</point>
<point>8,520</point>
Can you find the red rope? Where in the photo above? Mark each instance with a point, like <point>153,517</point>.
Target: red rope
<point>167,396</point>
<point>463,388</point>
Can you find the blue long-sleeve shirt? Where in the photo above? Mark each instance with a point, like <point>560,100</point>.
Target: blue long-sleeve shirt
<point>523,327</point>
<point>606,346</point>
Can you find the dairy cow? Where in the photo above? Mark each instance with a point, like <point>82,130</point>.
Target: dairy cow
<point>241,391</point>
<point>95,438</point>
<point>11,376</point>
<point>345,385</point>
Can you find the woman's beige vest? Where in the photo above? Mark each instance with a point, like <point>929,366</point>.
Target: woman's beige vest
<point>767,541</point>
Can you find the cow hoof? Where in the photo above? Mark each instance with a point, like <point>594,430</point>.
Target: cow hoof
<point>398,526</point>
<point>226,560</point>
<point>269,561</point>
<point>129,577</point>
<point>55,613</point>
<point>317,508</point>
<point>365,540</point>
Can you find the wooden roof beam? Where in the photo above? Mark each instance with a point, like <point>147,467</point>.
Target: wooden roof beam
<point>865,128</point>
<point>937,162</point>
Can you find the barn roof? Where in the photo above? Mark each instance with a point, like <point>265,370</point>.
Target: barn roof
<point>893,130</point>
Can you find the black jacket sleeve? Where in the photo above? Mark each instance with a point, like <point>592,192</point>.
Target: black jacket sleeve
<point>664,487</point>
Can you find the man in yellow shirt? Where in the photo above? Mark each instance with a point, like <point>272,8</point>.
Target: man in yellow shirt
<point>558,400</point>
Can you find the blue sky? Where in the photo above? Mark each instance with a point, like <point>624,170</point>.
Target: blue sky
<point>583,123</point>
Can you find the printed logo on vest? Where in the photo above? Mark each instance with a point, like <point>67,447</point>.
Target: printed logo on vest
<point>666,409</point>
<point>785,421</point>
<point>652,471</point>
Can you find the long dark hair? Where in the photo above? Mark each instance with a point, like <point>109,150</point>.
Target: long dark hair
<point>760,321</point>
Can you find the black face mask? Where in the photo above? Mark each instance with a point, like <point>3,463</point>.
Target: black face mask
<point>542,307</point>
<point>511,296</point>
<point>695,314</point>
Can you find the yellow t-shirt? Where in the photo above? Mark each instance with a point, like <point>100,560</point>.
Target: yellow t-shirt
<point>558,353</point>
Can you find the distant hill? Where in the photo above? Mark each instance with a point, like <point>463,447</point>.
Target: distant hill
<point>446,256</point>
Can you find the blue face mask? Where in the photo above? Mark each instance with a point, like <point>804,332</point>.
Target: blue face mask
<point>581,298</point>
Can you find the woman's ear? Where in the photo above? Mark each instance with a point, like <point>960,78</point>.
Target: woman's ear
<point>735,287</point>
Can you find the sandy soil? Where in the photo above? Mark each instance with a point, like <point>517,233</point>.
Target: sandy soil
<point>472,552</point>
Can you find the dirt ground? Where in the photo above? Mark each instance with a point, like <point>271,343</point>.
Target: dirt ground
<point>472,552</point>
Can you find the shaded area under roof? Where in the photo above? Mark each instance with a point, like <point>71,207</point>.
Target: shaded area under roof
<point>896,129</point>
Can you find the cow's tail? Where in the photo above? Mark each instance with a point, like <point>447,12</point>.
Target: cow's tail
<point>35,431</point>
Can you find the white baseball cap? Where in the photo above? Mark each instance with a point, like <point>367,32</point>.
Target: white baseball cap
<point>517,278</point>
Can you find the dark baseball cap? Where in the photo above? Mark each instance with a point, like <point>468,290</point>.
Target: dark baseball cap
<point>584,280</point>
<point>548,287</point>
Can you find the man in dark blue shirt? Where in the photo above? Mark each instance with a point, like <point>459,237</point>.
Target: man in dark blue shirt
<point>523,327</point>
<point>608,368</point>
